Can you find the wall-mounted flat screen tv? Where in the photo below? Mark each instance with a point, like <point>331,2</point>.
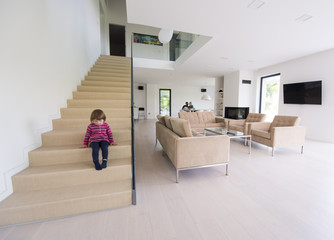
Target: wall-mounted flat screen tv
<point>303,93</point>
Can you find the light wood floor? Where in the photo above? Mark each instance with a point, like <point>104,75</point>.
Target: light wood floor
<point>289,196</point>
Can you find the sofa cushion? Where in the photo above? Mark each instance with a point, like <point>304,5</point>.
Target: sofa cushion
<point>255,117</point>
<point>284,121</point>
<point>206,117</point>
<point>190,116</point>
<point>161,119</point>
<point>167,121</point>
<point>260,133</point>
<point>181,127</point>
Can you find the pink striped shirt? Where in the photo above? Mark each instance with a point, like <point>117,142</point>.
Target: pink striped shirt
<point>96,133</point>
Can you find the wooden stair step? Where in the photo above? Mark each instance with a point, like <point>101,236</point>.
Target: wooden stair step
<point>113,58</point>
<point>103,71</point>
<point>70,174</point>
<point>101,95</point>
<point>53,203</point>
<point>109,63</point>
<point>126,61</point>
<point>104,89</point>
<point>72,137</point>
<point>108,78</point>
<point>110,69</point>
<point>113,61</point>
<point>114,66</point>
<point>86,112</point>
<point>115,73</point>
<point>105,83</point>
<point>82,123</point>
<point>98,103</point>
<point>50,155</point>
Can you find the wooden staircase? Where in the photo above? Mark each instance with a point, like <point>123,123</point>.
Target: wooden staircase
<point>61,179</point>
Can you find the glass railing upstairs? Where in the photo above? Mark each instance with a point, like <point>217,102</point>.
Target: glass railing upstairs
<point>179,43</point>
<point>149,46</point>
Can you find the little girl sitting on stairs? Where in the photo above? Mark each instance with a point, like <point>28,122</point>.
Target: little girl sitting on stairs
<point>98,135</point>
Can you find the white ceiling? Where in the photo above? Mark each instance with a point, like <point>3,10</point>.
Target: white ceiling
<point>242,38</point>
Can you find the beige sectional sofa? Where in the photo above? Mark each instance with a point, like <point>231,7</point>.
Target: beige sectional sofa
<point>186,150</point>
<point>200,120</point>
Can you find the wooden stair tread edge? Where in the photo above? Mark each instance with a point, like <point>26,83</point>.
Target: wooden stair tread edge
<point>113,79</point>
<point>90,108</point>
<point>75,131</point>
<point>45,196</point>
<point>75,147</point>
<point>111,69</point>
<point>100,93</point>
<point>116,73</point>
<point>105,83</point>
<point>99,103</point>
<point>100,100</point>
<point>71,167</point>
<point>113,58</point>
<point>109,120</point>
<point>81,87</point>
<point>112,63</point>
<point>84,113</point>
<point>112,66</point>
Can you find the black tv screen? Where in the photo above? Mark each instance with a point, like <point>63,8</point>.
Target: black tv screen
<point>303,93</point>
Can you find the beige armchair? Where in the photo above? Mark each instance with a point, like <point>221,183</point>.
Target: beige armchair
<point>283,131</point>
<point>243,125</point>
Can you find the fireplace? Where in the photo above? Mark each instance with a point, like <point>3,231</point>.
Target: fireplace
<point>236,112</point>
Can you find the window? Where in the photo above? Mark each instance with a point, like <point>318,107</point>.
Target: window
<point>269,95</point>
<point>165,102</point>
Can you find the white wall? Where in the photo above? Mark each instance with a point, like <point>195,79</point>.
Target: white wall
<point>46,49</point>
<point>237,94</point>
<point>318,119</point>
<point>247,92</point>
<point>139,96</point>
<point>103,29</point>
<point>231,90</point>
<point>152,100</point>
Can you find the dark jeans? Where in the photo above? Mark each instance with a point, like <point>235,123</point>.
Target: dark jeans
<point>96,146</point>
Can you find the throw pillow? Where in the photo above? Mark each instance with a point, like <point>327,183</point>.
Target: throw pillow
<point>181,127</point>
<point>167,121</point>
<point>161,119</point>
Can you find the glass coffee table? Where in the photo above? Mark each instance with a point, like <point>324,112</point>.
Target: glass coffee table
<point>231,134</point>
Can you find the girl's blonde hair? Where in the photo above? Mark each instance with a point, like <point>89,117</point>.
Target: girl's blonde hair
<point>97,114</point>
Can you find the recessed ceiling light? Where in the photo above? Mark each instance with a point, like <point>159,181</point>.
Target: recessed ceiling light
<point>303,18</point>
<point>256,4</point>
